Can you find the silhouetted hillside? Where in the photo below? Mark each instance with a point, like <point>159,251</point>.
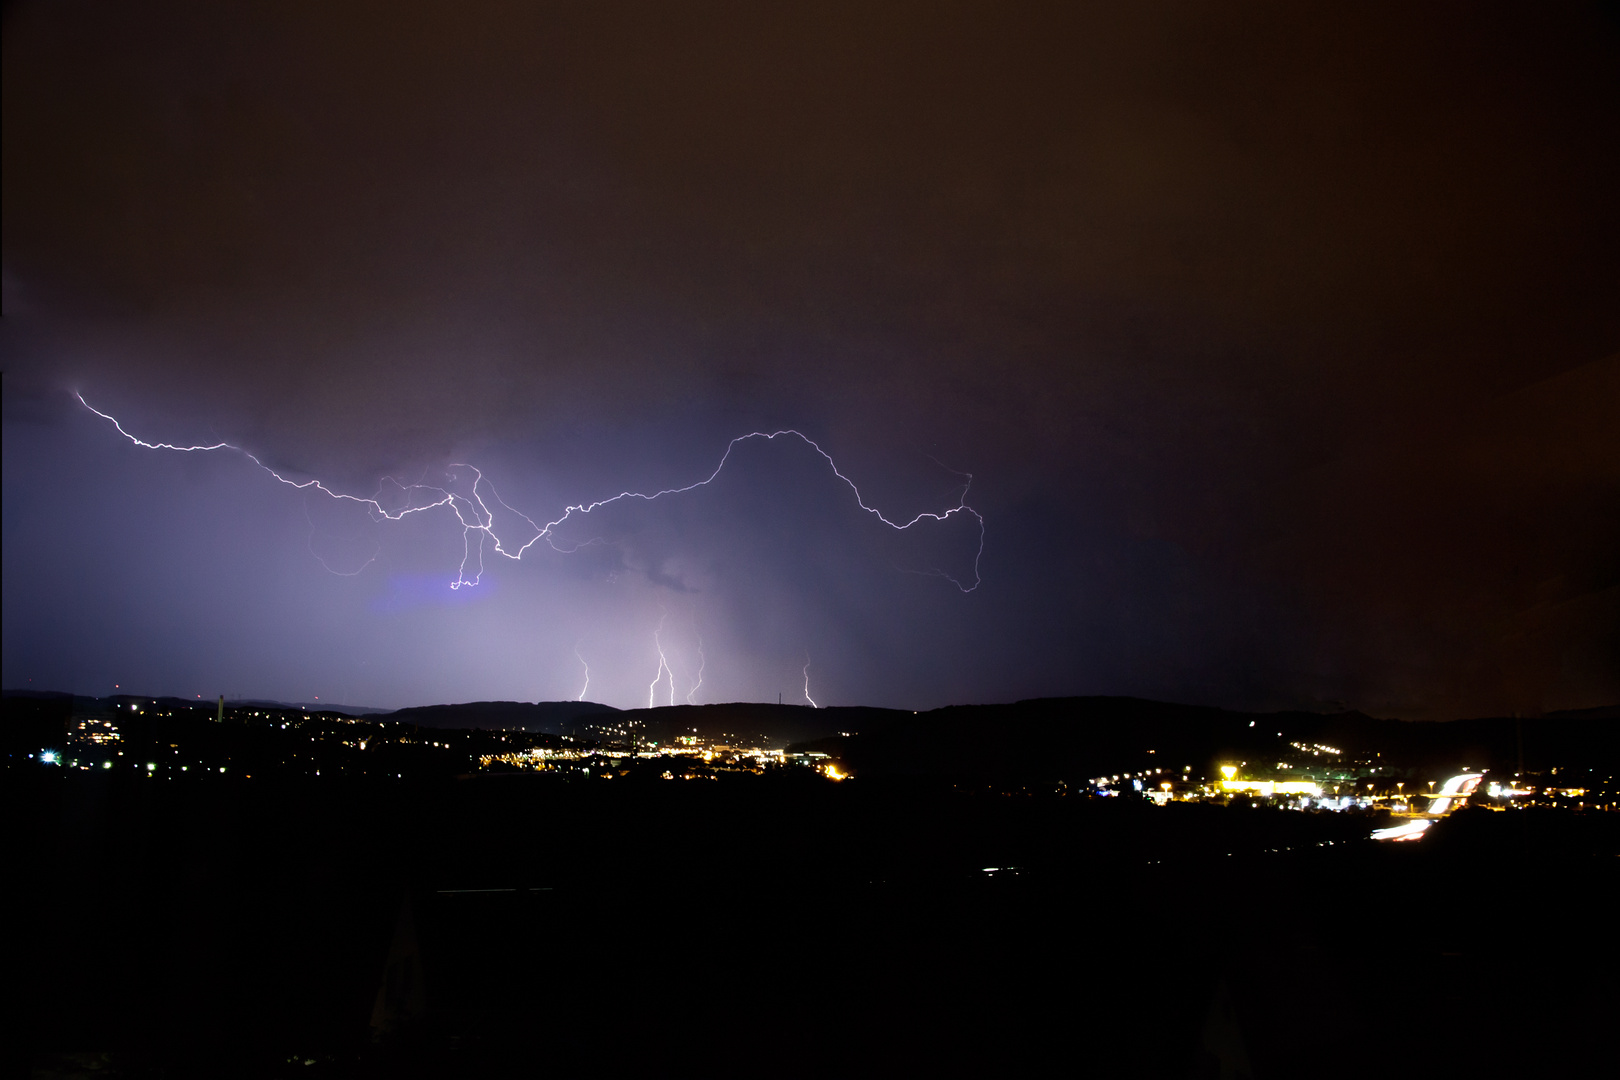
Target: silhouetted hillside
<point>1070,739</point>
<point>555,717</point>
<point>741,723</point>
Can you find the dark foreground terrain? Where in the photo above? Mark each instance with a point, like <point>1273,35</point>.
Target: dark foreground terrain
<point>784,925</point>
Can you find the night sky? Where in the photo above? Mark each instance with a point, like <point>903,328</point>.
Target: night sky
<point>1280,342</point>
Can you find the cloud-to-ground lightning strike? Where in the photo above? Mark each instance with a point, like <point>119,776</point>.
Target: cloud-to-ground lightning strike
<point>663,665</point>
<point>691,695</point>
<point>475,515</point>
<point>807,696</point>
<point>586,688</point>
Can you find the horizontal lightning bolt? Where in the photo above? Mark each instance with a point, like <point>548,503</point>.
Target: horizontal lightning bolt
<point>475,514</point>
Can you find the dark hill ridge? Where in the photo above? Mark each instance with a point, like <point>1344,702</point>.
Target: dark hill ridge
<point>1036,741</point>
<point>741,723</point>
<point>1071,739</point>
<point>307,706</point>
<point>554,717</point>
<point>747,724</point>
<point>86,702</point>
<point>1601,712</point>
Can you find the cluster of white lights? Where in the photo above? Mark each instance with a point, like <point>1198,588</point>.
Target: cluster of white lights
<point>1316,749</point>
<point>1104,781</point>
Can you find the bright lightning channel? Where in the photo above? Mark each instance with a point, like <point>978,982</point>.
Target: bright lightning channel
<point>807,696</point>
<point>663,664</point>
<point>587,667</point>
<point>475,514</point>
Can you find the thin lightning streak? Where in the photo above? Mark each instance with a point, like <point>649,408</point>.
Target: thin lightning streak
<point>663,665</point>
<point>310,544</point>
<point>475,513</point>
<point>587,667</point>
<point>702,663</point>
<point>807,696</point>
<point>960,508</point>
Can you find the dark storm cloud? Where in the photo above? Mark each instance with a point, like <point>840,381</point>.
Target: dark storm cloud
<point>1276,338</point>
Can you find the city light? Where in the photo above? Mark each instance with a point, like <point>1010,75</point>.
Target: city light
<point>1302,776</point>
<point>1272,787</point>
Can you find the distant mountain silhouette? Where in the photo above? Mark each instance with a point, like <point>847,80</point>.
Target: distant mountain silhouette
<point>742,723</point>
<point>1033,742</point>
<point>1073,739</point>
<point>307,706</point>
<point>1601,712</point>
<point>557,717</point>
<point>1051,739</point>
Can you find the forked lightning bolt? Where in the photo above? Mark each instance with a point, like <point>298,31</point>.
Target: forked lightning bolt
<point>475,514</point>
<point>663,665</point>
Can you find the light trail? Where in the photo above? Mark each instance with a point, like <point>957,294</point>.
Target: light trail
<point>1404,832</point>
<point>1457,789</point>
<point>476,514</point>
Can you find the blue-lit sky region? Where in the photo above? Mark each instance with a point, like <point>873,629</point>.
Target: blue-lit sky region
<point>1281,344</point>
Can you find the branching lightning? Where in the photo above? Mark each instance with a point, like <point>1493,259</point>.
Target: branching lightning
<point>474,511</point>
<point>663,665</point>
<point>473,499</point>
